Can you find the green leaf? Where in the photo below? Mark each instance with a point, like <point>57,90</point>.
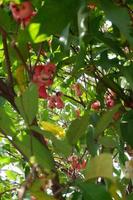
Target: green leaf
<point>118,16</point>
<point>83,22</point>
<point>100,166</point>
<point>38,153</point>
<point>90,141</point>
<point>6,22</point>
<point>130,197</point>
<point>34,29</point>
<point>56,10</point>
<point>107,141</point>
<point>23,143</point>
<point>27,103</point>
<point>6,124</point>
<point>5,160</point>
<point>64,38</point>
<point>93,191</point>
<point>12,175</point>
<point>105,119</point>
<point>61,146</point>
<point>126,127</point>
<point>127,72</point>
<point>77,129</point>
<point>113,45</point>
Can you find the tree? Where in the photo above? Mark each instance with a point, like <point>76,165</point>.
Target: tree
<point>66,99</point>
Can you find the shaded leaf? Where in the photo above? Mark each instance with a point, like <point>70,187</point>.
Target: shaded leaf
<point>126,127</point>
<point>93,191</point>
<point>90,141</point>
<point>119,16</point>
<point>27,103</point>
<point>77,129</point>
<point>105,119</point>
<point>54,10</point>
<point>130,196</point>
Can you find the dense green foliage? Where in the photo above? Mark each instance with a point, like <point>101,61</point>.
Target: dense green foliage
<point>66,99</point>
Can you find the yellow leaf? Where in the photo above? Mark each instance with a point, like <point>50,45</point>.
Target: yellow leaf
<point>113,189</point>
<point>100,166</point>
<point>20,78</point>
<point>55,129</point>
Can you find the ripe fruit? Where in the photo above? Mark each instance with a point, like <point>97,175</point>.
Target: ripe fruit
<point>96,105</point>
<point>43,77</point>
<point>110,99</point>
<point>55,101</point>
<point>23,12</point>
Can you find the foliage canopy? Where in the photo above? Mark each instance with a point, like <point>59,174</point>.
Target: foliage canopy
<point>66,99</point>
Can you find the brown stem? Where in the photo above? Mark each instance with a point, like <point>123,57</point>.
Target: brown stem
<point>7,59</point>
<point>7,93</point>
<point>28,181</point>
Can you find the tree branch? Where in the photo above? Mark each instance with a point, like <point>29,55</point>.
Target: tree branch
<point>7,93</point>
<point>72,98</point>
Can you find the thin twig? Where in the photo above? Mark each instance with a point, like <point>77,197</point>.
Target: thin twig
<point>72,98</point>
<point>30,178</point>
<point>7,93</point>
<point>39,53</point>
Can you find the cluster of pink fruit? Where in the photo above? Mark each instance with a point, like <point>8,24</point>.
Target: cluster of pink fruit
<point>110,102</point>
<point>22,12</point>
<point>76,165</point>
<point>43,77</point>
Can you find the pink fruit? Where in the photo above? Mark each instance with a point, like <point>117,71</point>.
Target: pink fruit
<point>55,101</point>
<point>43,78</point>
<point>23,12</point>
<point>96,105</point>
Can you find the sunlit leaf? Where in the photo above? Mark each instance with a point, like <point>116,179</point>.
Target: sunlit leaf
<point>54,129</point>
<point>20,77</point>
<point>100,166</point>
<point>77,129</point>
<point>119,16</point>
